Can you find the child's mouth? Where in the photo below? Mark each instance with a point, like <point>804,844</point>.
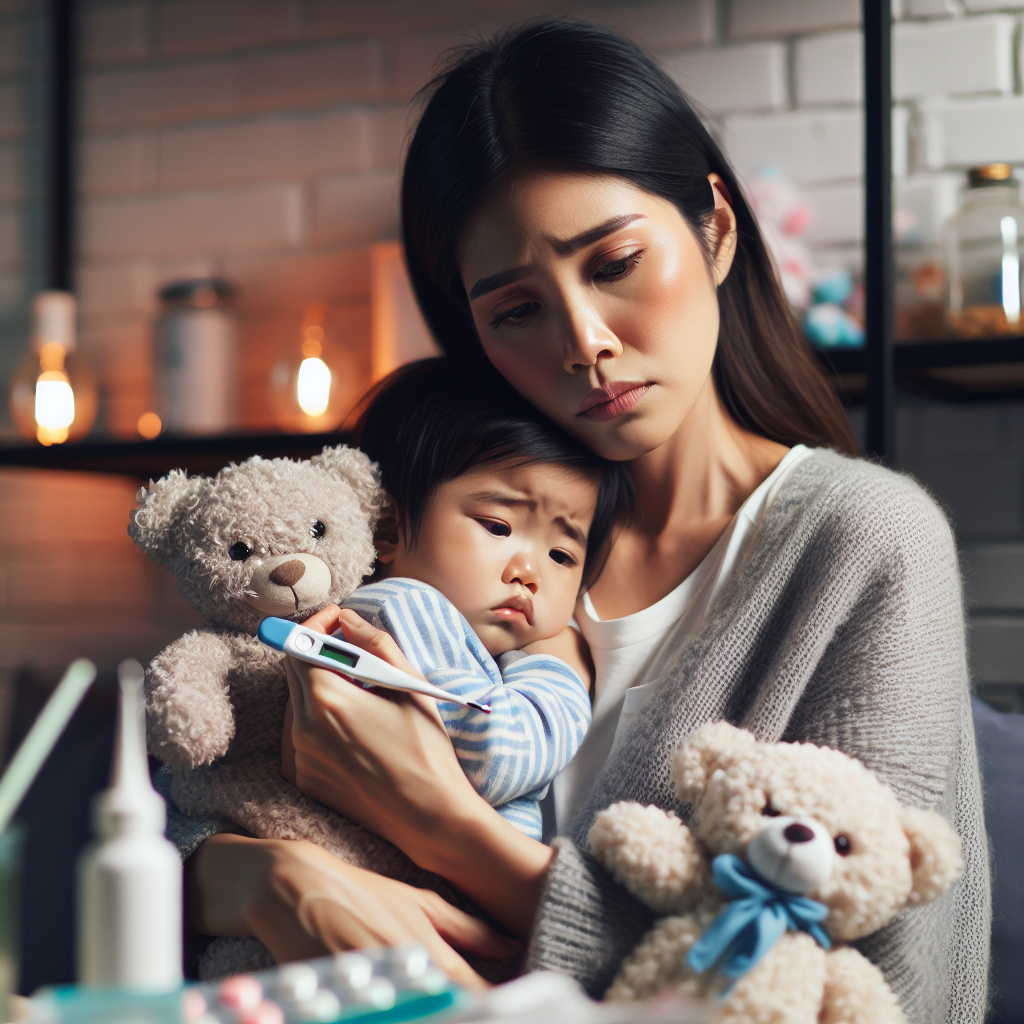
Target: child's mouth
<point>514,613</point>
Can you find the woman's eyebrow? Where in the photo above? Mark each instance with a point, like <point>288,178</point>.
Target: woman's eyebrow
<point>571,245</point>
<point>566,248</point>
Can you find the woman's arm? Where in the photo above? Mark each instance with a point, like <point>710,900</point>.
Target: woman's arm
<point>301,901</point>
<point>386,762</point>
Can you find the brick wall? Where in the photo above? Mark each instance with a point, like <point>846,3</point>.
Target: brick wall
<point>261,140</point>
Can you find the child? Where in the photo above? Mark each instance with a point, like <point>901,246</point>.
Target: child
<point>497,519</point>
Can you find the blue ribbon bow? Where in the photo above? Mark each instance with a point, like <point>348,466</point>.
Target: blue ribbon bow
<point>756,918</point>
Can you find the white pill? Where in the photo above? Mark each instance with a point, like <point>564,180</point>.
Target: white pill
<point>409,960</point>
<point>353,970</point>
<point>297,981</point>
<point>324,1005</point>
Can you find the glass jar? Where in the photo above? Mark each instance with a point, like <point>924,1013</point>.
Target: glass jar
<point>982,250</point>
<point>196,370</point>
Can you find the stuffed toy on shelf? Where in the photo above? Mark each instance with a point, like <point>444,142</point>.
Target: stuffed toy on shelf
<point>792,852</point>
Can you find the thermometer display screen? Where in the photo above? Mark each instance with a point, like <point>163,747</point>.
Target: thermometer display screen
<point>348,660</point>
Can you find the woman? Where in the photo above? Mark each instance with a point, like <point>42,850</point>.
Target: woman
<point>570,223</point>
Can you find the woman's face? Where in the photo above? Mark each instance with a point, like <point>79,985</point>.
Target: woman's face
<point>596,302</point>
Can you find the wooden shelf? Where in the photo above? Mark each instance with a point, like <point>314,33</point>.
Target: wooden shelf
<point>942,368</point>
<point>152,459</point>
<point>945,368</point>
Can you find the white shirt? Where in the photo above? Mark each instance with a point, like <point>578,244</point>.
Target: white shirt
<point>631,654</point>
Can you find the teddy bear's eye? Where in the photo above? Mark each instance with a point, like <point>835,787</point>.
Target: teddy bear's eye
<point>317,530</point>
<point>843,846</point>
<point>239,551</point>
<point>768,811</point>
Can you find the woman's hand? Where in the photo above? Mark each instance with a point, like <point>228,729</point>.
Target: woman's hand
<point>381,758</point>
<point>384,760</point>
<point>301,901</point>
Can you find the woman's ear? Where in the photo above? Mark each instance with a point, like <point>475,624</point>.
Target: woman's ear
<point>722,229</point>
<point>387,536</point>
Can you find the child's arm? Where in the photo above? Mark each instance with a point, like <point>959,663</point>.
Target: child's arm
<point>571,648</point>
<point>540,707</point>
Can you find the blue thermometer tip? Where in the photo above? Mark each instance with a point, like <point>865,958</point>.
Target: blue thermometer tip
<point>478,707</point>
<point>274,632</point>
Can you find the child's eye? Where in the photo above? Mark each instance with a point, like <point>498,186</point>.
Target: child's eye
<point>562,557</point>
<point>495,527</point>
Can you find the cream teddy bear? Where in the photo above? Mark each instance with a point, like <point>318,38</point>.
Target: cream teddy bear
<point>792,850</point>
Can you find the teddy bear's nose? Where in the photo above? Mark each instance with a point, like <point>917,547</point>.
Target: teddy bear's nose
<point>287,574</point>
<point>795,833</point>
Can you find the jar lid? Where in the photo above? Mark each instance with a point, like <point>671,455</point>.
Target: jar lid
<point>988,174</point>
<point>202,291</point>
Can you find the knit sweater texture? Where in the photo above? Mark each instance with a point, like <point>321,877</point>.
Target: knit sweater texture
<point>842,626</point>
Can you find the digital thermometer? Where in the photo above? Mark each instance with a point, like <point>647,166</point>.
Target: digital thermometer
<point>333,653</point>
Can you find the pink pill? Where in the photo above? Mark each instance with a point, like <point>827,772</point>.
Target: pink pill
<point>265,1013</point>
<point>193,1005</point>
<point>241,992</point>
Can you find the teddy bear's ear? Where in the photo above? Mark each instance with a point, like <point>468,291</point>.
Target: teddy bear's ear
<point>702,752</point>
<point>159,508</point>
<point>356,469</point>
<point>935,860</point>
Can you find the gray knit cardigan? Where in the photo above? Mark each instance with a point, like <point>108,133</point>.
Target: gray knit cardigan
<point>843,625</point>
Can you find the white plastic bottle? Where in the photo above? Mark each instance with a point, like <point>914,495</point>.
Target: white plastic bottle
<point>129,881</point>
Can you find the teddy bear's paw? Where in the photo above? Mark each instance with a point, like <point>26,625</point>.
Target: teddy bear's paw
<point>659,962</point>
<point>856,992</point>
<point>189,717</point>
<point>652,853</point>
<point>786,987</point>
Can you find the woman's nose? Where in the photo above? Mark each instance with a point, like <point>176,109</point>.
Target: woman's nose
<point>588,339</point>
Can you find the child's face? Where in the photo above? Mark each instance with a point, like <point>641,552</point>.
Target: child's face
<point>505,544</point>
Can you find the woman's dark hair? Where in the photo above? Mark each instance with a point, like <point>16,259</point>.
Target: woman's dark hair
<point>574,96</point>
<point>427,422</point>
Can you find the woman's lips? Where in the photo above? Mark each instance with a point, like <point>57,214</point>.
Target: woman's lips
<point>612,400</point>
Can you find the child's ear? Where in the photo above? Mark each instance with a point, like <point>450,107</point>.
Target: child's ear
<point>387,536</point>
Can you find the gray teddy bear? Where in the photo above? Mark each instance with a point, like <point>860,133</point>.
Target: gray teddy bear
<point>266,537</point>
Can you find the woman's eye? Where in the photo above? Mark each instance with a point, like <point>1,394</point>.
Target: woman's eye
<point>517,316</point>
<point>619,268</point>
<point>317,530</point>
<point>768,811</point>
<point>239,551</point>
<point>562,557</point>
<point>495,527</point>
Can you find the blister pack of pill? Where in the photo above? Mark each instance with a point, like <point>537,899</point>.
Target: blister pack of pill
<point>396,984</point>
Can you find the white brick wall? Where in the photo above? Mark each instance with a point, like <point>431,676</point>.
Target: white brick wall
<point>963,55</point>
<point>750,77</point>
<point>261,140</point>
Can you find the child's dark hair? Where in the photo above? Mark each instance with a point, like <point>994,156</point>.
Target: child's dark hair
<point>427,423</point>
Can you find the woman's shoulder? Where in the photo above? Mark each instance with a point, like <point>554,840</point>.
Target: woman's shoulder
<point>838,487</point>
<point>861,510</point>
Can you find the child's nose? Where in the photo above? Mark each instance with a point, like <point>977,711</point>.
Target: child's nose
<point>520,570</point>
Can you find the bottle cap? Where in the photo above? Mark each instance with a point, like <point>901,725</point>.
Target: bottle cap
<point>988,174</point>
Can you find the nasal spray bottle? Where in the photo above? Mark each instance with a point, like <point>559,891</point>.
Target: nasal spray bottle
<point>129,880</point>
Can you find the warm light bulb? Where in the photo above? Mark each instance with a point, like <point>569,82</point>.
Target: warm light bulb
<point>55,401</point>
<point>314,386</point>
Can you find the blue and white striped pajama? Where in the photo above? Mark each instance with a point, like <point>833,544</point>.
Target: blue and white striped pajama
<point>540,708</point>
